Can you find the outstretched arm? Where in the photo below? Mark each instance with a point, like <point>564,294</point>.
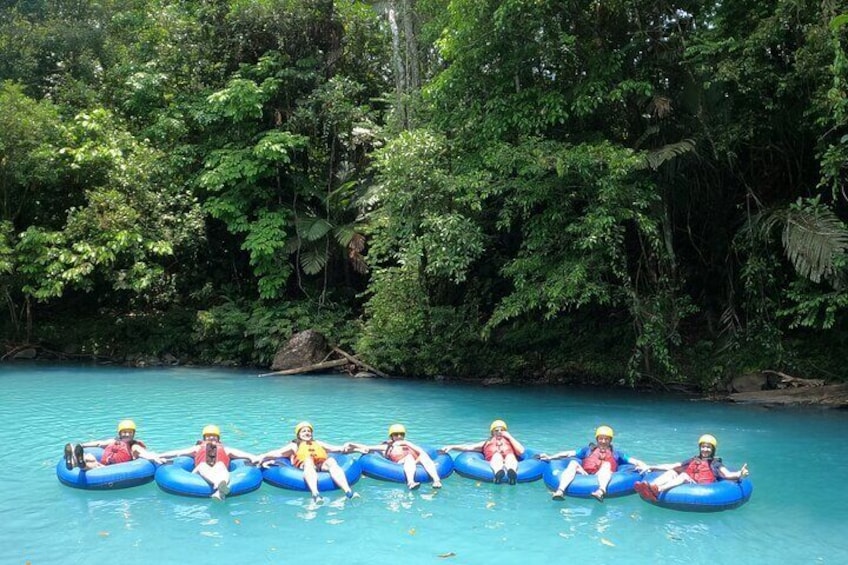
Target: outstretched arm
<point>464,447</point>
<point>665,467</point>
<point>239,454</point>
<point>286,451</point>
<point>145,453</point>
<point>178,452</point>
<point>558,455</point>
<point>362,448</point>
<point>640,465</point>
<point>733,475</point>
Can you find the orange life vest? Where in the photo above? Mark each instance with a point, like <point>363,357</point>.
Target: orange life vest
<point>309,449</point>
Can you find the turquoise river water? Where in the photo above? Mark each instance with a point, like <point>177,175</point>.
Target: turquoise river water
<point>797,514</point>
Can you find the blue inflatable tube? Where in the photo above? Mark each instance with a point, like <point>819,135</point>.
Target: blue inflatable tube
<point>121,475</point>
<point>709,497</point>
<point>583,486</point>
<point>472,465</point>
<point>177,478</point>
<point>285,475</point>
<point>376,465</point>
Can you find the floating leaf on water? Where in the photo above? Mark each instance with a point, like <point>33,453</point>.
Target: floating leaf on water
<point>446,555</point>
<point>412,531</point>
<point>605,541</point>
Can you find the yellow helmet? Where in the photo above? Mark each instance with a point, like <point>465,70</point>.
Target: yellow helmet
<point>211,430</point>
<point>604,431</point>
<point>302,425</point>
<point>396,429</point>
<point>707,438</point>
<point>497,424</point>
<point>126,425</point>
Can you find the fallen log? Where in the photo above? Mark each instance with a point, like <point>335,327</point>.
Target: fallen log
<point>788,381</point>
<point>359,363</point>
<point>309,368</point>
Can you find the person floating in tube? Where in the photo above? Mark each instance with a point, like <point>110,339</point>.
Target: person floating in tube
<point>501,450</point>
<point>704,468</point>
<point>120,449</point>
<point>599,459</point>
<point>311,456</point>
<point>212,460</point>
<point>403,452</point>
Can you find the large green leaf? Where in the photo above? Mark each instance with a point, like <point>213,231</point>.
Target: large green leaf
<point>812,239</point>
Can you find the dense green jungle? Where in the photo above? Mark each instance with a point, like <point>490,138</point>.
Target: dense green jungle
<point>633,192</point>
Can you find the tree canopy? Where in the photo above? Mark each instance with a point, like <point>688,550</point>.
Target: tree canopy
<point>644,190</point>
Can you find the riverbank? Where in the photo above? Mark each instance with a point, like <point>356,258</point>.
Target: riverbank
<point>745,389</point>
<point>826,396</point>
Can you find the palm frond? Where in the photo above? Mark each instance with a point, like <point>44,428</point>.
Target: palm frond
<point>312,228</point>
<point>812,239</point>
<point>658,156</point>
<point>313,261</point>
<point>345,233</point>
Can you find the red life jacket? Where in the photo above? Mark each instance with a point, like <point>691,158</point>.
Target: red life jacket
<point>497,445</point>
<point>592,462</point>
<point>701,470</point>
<point>397,453</point>
<point>119,452</point>
<point>200,454</point>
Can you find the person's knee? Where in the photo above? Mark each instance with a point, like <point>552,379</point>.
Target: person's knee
<point>330,465</point>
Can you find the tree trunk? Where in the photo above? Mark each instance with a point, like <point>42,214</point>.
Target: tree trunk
<point>397,60</point>
<point>412,67</point>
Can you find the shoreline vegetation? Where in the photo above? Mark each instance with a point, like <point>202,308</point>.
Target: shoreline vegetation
<point>767,388</point>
